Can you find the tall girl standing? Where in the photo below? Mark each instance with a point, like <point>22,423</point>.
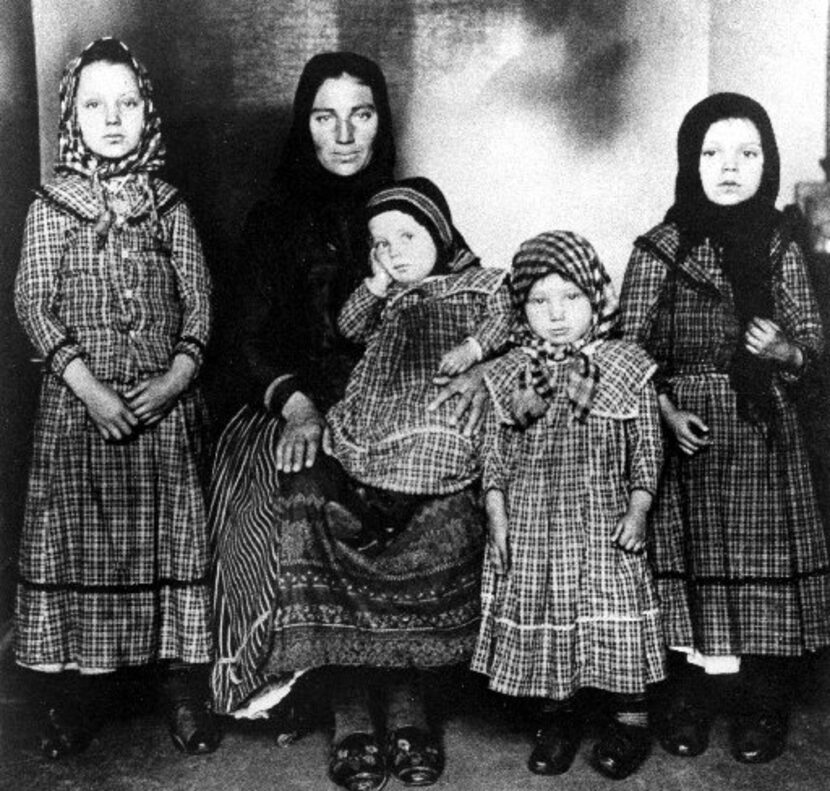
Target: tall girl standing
<point>719,296</point>
<point>114,294</point>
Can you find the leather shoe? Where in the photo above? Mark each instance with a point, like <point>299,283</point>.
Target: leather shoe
<point>685,729</point>
<point>621,750</point>
<point>415,756</point>
<point>192,727</point>
<point>357,763</point>
<point>759,738</point>
<point>556,746</point>
<point>63,733</point>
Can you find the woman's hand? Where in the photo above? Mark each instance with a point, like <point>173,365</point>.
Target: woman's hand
<point>766,340</point>
<point>301,436</point>
<point>497,529</point>
<point>153,398</point>
<point>111,416</point>
<point>688,430</point>
<point>630,532</point>
<point>472,397</point>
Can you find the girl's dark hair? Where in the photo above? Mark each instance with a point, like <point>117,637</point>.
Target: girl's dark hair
<point>108,50</point>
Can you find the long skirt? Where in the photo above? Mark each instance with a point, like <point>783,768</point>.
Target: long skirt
<point>290,596</point>
<point>736,529</point>
<point>114,549</point>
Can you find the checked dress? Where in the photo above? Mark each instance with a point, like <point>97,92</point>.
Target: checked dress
<point>735,526</point>
<point>573,610</point>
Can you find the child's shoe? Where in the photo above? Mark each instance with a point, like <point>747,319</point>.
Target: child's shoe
<point>556,744</point>
<point>685,727</point>
<point>190,719</point>
<point>621,750</point>
<point>760,737</point>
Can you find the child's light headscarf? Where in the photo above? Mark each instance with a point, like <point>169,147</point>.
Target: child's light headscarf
<point>73,154</point>
<point>573,258</point>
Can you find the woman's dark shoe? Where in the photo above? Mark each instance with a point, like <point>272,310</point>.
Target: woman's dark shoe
<point>192,726</point>
<point>415,756</point>
<point>759,738</point>
<point>555,747</point>
<point>685,728</point>
<point>357,763</point>
<point>63,732</point>
<point>621,750</point>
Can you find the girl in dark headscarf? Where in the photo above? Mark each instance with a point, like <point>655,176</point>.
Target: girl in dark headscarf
<point>114,293</point>
<point>289,595</point>
<point>718,294</point>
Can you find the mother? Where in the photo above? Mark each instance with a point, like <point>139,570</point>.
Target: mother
<point>289,596</point>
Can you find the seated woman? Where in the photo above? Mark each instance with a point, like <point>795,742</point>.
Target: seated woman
<point>288,595</point>
<point>429,307</point>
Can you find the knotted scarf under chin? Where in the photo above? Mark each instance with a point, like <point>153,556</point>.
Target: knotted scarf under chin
<point>583,378</point>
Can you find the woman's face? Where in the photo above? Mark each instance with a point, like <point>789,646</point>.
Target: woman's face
<point>109,109</point>
<point>343,124</point>
<point>731,161</point>
<point>558,311</point>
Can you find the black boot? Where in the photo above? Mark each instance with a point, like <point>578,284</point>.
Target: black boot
<point>557,739</point>
<point>685,717</point>
<point>69,709</point>
<point>190,719</point>
<point>759,730</point>
<point>626,742</point>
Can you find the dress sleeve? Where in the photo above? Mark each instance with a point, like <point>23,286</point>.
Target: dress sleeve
<point>360,315</point>
<point>496,451</point>
<point>640,296</point>
<point>797,310</point>
<point>38,285</point>
<point>194,284</point>
<point>645,442</point>
<point>492,334</point>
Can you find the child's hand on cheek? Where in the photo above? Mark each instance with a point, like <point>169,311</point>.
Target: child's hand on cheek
<point>380,280</point>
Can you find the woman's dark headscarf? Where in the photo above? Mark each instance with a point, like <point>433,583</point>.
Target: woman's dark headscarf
<point>299,171</point>
<point>743,231</point>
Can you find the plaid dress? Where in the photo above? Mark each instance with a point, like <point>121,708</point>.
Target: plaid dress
<point>383,434</point>
<point>113,556</point>
<point>735,526</point>
<point>574,610</point>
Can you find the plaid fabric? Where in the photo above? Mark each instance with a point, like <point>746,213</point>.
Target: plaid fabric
<point>382,432</point>
<point>113,554</point>
<point>735,526</point>
<point>574,610</point>
<point>288,596</point>
<point>113,557</point>
<point>125,308</point>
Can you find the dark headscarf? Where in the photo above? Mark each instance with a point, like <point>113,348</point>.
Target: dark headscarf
<point>743,231</point>
<point>425,203</point>
<point>299,171</point>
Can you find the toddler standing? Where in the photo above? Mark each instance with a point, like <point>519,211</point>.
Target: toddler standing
<point>114,294</point>
<point>572,457</point>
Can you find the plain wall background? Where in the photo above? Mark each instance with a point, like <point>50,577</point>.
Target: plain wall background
<point>530,114</point>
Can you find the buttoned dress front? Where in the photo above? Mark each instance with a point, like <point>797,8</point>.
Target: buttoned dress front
<point>113,557</point>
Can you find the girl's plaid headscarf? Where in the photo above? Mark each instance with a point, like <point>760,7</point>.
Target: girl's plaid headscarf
<point>121,198</point>
<point>573,258</point>
<point>73,155</point>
